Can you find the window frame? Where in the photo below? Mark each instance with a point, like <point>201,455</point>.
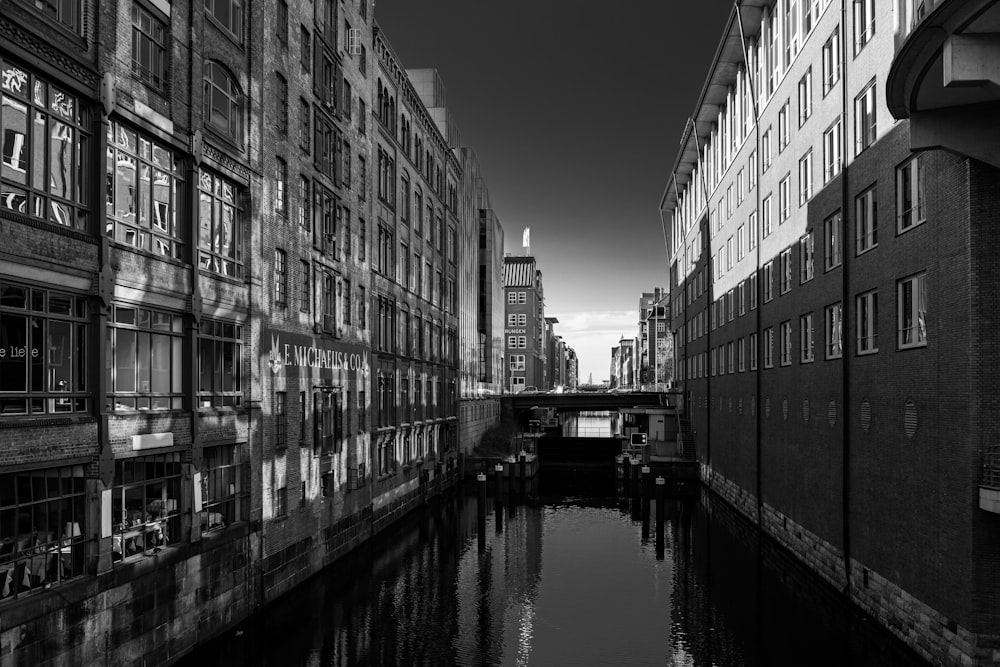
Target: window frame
<point>919,282</point>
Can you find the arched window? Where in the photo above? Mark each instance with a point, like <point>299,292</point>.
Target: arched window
<point>223,101</point>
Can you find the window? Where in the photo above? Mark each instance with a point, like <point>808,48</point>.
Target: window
<point>43,145</point>
<point>732,357</point>
<point>305,204</point>
<point>223,102</point>
<point>522,342</point>
<point>363,61</point>
<point>280,419</point>
<point>145,359</point>
<point>765,215</point>
<point>805,95</point>
<point>281,103</point>
<point>740,187</point>
<point>732,304</point>
<point>806,338</point>
<point>831,152</point>
<point>806,177</point>
<point>866,215</point>
<point>729,201</point>
<point>752,288</point>
<point>228,14</point>
<point>783,126</point>
<point>768,281</point>
<point>145,504</point>
<point>305,126</point>
<point>362,115</point>
<point>347,301</point>
<point>220,364</point>
<point>806,257</point>
<point>43,352</point>
<point>362,308</point>
<point>741,244</point>
<point>281,188</point>
<point>329,303</point>
<point>281,22</point>
<point>143,188</point>
<point>784,195</point>
<point>730,255</point>
<point>786,271</point>
<point>363,178</point>
<point>305,289</point>
<point>832,317</point>
<point>149,63</point>
<point>517,362</point>
<point>867,307</point>
<point>305,49</point>
<point>769,347</point>
<point>912,311</point>
<point>752,230</point>
<point>753,351</point>
<point>225,486</point>
<point>328,415</point>
<point>910,194</point>
<point>742,354</point>
<point>864,118</point>
<point>831,241</point>
<point>220,226</point>
<point>765,147</point>
<point>280,278</point>
<point>786,343</point>
<point>831,61</point>
<point>362,239</point>
<point>864,23</point>
<point>43,517</point>
<point>752,170</point>
<point>279,485</point>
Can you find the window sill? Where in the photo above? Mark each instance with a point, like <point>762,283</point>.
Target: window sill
<point>866,353</point>
<point>866,250</point>
<point>900,230</point>
<point>914,346</point>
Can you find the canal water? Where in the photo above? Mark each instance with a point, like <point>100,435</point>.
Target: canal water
<point>566,574</point>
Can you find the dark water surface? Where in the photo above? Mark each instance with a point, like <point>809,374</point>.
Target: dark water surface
<point>572,577</point>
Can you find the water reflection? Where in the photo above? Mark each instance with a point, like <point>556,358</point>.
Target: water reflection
<point>571,577</point>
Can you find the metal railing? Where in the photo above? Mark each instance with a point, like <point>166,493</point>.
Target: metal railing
<point>991,467</point>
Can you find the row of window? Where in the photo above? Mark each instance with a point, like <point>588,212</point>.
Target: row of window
<point>910,212</point>
<point>911,330</point>
<point>320,290</point>
<point>414,271</point>
<point>422,399</point>
<point>408,446</point>
<point>43,517</point>
<point>398,331</point>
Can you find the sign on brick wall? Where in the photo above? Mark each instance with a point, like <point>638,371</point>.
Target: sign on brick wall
<point>295,354</point>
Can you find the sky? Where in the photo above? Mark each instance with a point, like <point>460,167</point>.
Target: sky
<point>575,109</point>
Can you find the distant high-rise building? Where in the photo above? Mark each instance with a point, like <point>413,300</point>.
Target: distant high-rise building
<point>525,324</point>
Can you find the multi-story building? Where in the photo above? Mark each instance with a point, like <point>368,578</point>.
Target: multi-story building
<point>225,376</point>
<point>315,209</point>
<point>414,275</point>
<point>832,285</point>
<point>525,330</point>
<point>572,369</point>
<point>624,371</point>
<point>655,341</point>
<point>481,308</point>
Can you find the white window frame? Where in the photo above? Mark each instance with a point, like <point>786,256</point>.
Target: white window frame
<point>805,95</point>
<point>833,243</point>
<point>831,151</point>
<point>806,257</point>
<point>831,61</point>
<point>769,347</point>
<point>805,177</point>
<point>784,197</point>
<point>785,279</point>
<point>785,340</point>
<point>865,124</point>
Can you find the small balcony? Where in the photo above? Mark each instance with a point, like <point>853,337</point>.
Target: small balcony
<point>989,482</point>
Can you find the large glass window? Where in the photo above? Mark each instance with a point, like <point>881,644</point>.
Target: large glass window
<point>141,194</point>
<point>831,241</point>
<point>229,14</point>
<point>149,62</point>
<point>145,359</point>
<point>220,364</point>
<point>42,524</point>
<point>45,150</point>
<point>145,505</point>
<point>225,486</point>
<point>220,225</point>
<point>864,119</point>
<point>223,102</point>
<point>43,351</point>
<point>832,318</point>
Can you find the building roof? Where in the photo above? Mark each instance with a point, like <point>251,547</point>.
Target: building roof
<point>519,271</point>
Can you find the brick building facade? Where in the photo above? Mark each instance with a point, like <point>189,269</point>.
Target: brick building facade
<point>215,378</point>
<point>828,289</point>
